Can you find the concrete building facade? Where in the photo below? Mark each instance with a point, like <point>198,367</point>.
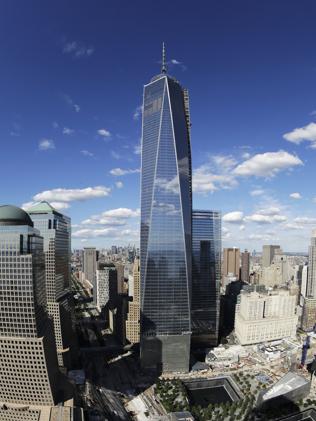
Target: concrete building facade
<point>133,318</point>
<point>265,316</point>
<point>231,262</point>
<point>268,252</point>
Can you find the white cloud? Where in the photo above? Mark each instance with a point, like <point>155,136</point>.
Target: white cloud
<point>68,131</point>
<point>120,171</point>
<point>77,50</point>
<point>304,220</point>
<point>267,164</point>
<point>45,144</point>
<point>71,103</point>
<point>69,195</point>
<point>295,196</point>
<point>56,205</point>
<point>300,134</point>
<point>138,112</point>
<point>270,211</point>
<point>113,217</point>
<point>242,228</point>
<point>137,149</point>
<point>104,133</point>
<point>233,217</point>
<point>215,175</point>
<point>257,192</point>
<point>121,213</point>
<point>87,153</point>
<point>55,125</point>
<point>119,185</point>
<point>93,233</point>
<point>265,218</point>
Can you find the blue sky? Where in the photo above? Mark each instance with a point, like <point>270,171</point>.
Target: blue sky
<point>71,80</point>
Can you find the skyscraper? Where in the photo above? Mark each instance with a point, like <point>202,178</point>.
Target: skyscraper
<point>132,323</point>
<point>56,231</point>
<point>29,372</point>
<point>206,275</point>
<point>166,213</point>
<point>268,252</point>
<point>231,262</point>
<point>90,268</point>
<point>311,276</point>
<point>245,266</point>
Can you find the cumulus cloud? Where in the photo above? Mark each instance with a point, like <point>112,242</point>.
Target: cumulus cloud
<point>120,171</point>
<point>46,144</point>
<point>104,133</point>
<point>93,233</point>
<point>295,196</point>
<point>113,217</point>
<point>265,218</point>
<point>300,134</point>
<point>304,220</point>
<point>69,195</point>
<point>233,217</point>
<point>77,49</point>
<point>56,205</point>
<point>267,164</point>
<point>214,175</point>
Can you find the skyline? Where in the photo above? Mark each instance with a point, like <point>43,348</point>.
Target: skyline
<point>252,113</point>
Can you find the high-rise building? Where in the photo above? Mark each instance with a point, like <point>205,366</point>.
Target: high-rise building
<point>55,229</point>
<point>245,266</point>
<point>265,316</point>
<point>268,252</point>
<point>166,213</point>
<point>308,319</point>
<point>311,277</point>
<point>133,319</point>
<point>304,280</point>
<point>106,285</point>
<point>90,268</point>
<point>231,262</point>
<point>29,372</point>
<point>206,275</point>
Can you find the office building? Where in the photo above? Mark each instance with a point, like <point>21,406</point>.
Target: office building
<point>90,268</point>
<point>311,278</point>
<point>245,266</point>
<point>206,275</point>
<point>106,285</point>
<point>120,278</point>
<point>265,316</point>
<point>268,252</point>
<point>166,213</point>
<point>308,318</point>
<point>133,319</point>
<point>29,368</point>
<point>55,229</point>
<point>231,262</point>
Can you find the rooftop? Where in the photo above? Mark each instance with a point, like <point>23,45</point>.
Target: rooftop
<point>12,215</point>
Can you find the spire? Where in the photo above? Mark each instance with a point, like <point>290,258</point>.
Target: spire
<point>164,64</point>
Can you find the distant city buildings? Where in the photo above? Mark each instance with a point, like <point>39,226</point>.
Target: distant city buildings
<point>231,262</point>
<point>206,275</point>
<point>265,316</point>
<point>166,216</point>
<point>133,319</point>
<point>268,252</point>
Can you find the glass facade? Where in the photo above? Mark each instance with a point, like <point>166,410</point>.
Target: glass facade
<point>165,258</point>
<point>206,275</point>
